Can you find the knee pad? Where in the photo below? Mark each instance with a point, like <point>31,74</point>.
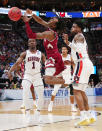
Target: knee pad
<point>56,88</point>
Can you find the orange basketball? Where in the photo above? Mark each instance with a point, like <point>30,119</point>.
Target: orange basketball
<point>14,13</point>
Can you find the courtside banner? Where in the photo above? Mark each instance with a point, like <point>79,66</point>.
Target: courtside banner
<point>86,14</point>
<point>5,11</point>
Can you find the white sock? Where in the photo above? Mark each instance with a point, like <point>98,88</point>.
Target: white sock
<point>72,105</point>
<point>51,102</point>
<point>34,101</point>
<point>89,114</point>
<point>83,115</point>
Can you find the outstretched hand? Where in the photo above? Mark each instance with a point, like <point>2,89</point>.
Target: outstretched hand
<point>26,18</point>
<point>28,11</point>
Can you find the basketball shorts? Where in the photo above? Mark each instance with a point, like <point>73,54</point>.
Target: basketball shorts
<point>82,72</point>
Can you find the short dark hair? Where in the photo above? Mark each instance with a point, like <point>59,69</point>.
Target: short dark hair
<point>60,25</point>
<point>79,24</point>
<point>65,46</point>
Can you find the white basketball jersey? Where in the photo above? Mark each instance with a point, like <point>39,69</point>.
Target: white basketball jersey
<point>32,62</point>
<point>79,50</point>
<point>68,67</point>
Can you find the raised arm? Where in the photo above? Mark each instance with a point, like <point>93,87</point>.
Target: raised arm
<point>37,18</point>
<point>15,66</point>
<point>78,39</point>
<point>32,35</point>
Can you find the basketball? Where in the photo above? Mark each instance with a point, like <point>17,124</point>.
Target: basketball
<point>14,14</point>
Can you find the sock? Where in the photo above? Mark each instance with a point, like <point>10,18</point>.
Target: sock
<point>83,115</point>
<point>51,102</point>
<point>72,105</point>
<point>89,114</point>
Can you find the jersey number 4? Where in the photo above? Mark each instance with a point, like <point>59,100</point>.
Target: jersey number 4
<point>33,67</point>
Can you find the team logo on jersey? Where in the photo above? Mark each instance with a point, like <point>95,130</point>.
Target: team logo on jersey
<point>49,46</point>
<point>33,58</point>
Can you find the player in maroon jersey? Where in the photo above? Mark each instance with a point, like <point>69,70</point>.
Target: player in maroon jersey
<point>54,65</point>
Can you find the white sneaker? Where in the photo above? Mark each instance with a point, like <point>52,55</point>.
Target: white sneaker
<point>28,117</point>
<point>50,107</point>
<point>83,122</point>
<point>73,109</point>
<point>22,106</point>
<point>35,103</point>
<point>37,116</point>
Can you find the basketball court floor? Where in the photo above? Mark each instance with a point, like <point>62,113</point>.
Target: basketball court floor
<point>12,118</point>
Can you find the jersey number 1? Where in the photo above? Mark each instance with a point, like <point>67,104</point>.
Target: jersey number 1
<point>33,67</point>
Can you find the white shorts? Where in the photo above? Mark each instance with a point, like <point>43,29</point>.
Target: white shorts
<point>67,78</point>
<point>50,72</point>
<point>82,72</point>
<point>36,80</point>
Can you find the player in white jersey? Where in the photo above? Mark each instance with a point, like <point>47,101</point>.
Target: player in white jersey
<point>67,74</point>
<point>32,75</point>
<point>83,70</point>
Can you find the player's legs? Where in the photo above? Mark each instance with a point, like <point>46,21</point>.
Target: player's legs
<point>33,94</point>
<point>50,79</point>
<point>72,99</point>
<point>53,80</point>
<point>39,89</point>
<point>56,88</point>
<point>26,90</point>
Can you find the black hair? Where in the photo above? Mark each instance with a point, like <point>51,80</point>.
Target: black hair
<point>79,24</point>
<point>65,46</point>
<point>60,26</point>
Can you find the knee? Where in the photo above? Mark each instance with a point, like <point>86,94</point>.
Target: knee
<point>54,92</point>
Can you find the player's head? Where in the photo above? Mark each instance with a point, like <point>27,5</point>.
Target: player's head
<point>77,27</point>
<point>56,24</point>
<point>32,43</point>
<point>64,50</point>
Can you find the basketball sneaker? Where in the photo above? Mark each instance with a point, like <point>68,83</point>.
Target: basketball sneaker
<point>91,116</point>
<point>22,106</point>
<point>35,103</point>
<point>50,106</point>
<point>73,108</point>
<point>82,122</point>
<point>28,116</point>
<point>92,120</point>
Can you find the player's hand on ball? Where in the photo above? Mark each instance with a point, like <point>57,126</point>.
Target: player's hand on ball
<point>28,11</point>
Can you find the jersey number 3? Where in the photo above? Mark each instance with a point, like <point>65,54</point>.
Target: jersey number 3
<point>33,67</point>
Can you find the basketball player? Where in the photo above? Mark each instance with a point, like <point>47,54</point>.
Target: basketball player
<point>67,73</point>
<point>83,70</point>
<point>21,74</point>
<point>54,65</point>
<point>32,75</point>
<point>67,77</point>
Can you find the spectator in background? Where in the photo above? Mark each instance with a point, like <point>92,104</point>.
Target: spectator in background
<point>5,75</point>
<point>99,85</point>
<point>1,70</point>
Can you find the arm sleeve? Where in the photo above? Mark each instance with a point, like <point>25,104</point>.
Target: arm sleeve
<point>30,33</point>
